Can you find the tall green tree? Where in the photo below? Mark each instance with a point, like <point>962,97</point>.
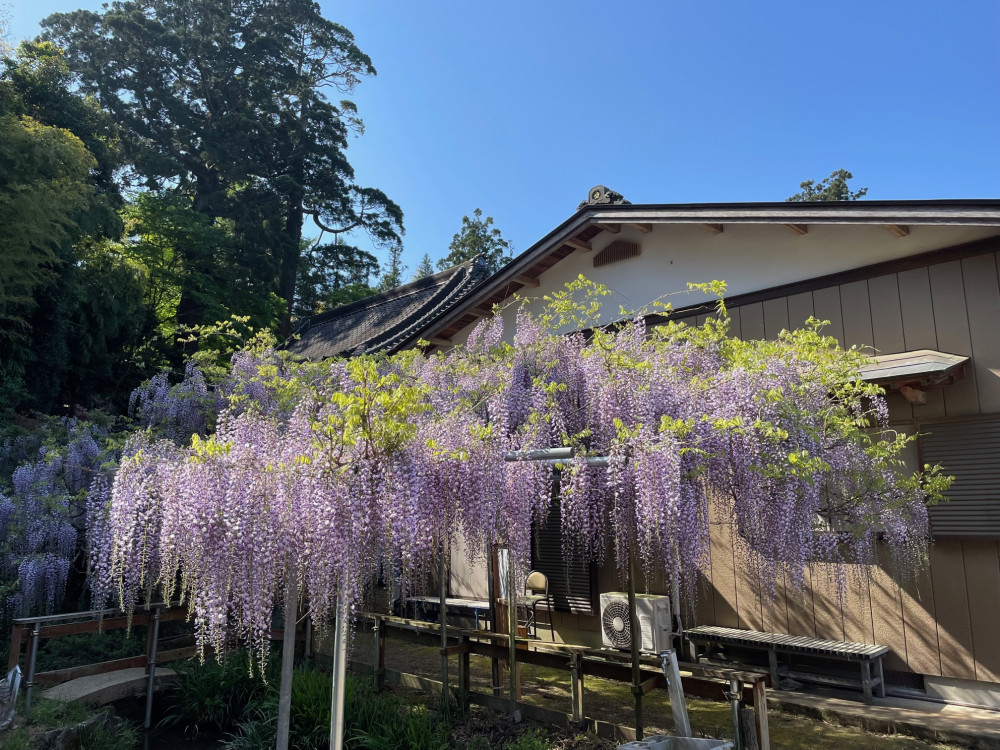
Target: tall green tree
<point>229,102</point>
<point>478,236</point>
<point>392,270</point>
<point>424,268</point>
<point>832,188</point>
<point>334,275</point>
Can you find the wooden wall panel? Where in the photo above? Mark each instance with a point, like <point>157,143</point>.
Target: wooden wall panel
<point>724,577</point>
<point>857,315</point>
<point>917,309</point>
<point>775,317</point>
<point>826,602</point>
<point>918,329</point>
<point>887,316</point>
<point>752,321</point>
<point>979,275</point>
<point>735,323</point>
<point>801,619</point>
<point>982,568</point>
<point>826,303</point>
<point>952,324</point>
<point>952,607</point>
<point>775,608</point>
<point>750,608</point>
<point>704,613</point>
<point>858,623</point>
<point>887,616</point>
<point>923,652</point>
<point>800,308</point>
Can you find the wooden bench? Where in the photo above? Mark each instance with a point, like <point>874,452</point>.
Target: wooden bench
<point>790,645</point>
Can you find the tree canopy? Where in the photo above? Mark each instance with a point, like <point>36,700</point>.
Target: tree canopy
<point>478,238</point>
<point>228,104</point>
<point>832,188</point>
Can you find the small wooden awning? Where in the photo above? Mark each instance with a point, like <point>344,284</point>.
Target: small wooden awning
<point>913,372</point>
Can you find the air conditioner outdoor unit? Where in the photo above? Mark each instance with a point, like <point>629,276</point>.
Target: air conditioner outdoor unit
<point>654,621</point>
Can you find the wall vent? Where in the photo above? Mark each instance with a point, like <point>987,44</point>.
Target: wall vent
<point>618,250</point>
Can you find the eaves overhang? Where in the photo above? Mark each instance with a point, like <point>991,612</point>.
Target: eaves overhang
<point>575,233</point>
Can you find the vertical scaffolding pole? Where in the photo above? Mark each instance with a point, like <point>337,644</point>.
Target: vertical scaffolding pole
<point>154,638</point>
<point>29,683</point>
<point>636,644</point>
<point>339,674</point>
<point>287,659</point>
<point>442,593</point>
<point>494,612</point>
<point>512,634</point>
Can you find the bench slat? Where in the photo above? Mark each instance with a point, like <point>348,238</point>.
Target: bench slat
<point>818,646</point>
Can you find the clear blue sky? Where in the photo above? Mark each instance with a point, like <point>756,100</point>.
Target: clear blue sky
<point>519,108</point>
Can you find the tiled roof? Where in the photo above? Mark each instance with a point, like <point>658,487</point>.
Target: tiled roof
<point>387,321</point>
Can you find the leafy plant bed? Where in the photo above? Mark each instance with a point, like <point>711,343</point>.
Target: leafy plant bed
<point>53,724</point>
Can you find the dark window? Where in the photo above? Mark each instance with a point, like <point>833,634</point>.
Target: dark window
<point>969,451</point>
<point>572,577</point>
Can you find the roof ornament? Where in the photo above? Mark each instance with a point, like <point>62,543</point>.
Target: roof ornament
<point>599,194</point>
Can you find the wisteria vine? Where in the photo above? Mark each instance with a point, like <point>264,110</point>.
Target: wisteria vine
<point>318,473</point>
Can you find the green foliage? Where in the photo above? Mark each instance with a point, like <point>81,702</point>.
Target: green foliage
<point>477,238</point>
<point>212,697</point>
<point>832,188</point>
<point>533,739</point>
<point>107,735</point>
<point>271,153</point>
<point>393,270</point>
<point>333,275</point>
<point>48,713</point>
<point>424,268</point>
<point>372,721</point>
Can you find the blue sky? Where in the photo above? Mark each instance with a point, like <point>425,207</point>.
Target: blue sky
<point>519,108</point>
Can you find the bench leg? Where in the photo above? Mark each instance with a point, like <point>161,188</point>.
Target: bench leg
<point>772,660</point>
<point>880,674</point>
<point>866,680</point>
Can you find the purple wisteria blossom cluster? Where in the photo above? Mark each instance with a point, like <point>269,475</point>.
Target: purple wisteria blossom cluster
<point>43,517</point>
<point>318,474</point>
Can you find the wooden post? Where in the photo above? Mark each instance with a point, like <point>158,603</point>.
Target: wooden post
<point>760,711</point>
<point>14,656</point>
<point>576,686</point>
<point>378,662</point>
<point>287,658</point>
<point>636,643</point>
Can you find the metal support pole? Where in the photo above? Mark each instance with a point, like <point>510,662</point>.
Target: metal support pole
<point>512,635</point>
<point>576,686</point>
<point>636,644</point>
<point>734,696</point>
<point>154,640</point>
<point>307,651</point>
<point>492,593</point>
<point>29,683</point>
<point>287,660</point>
<point>339,675</point>
<point>442,593</point>
<point>678,704</point>
<point>379,661</point>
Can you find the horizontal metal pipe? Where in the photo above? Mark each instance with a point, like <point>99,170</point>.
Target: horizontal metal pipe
<point>554,456</point>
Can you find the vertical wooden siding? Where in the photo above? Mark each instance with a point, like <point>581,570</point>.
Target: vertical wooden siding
<point>944,622</point>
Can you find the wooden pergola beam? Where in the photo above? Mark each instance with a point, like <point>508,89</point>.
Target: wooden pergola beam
<point>644,228</point>
<point>799,229</point>
<point>583,247</point>
<point>898,230</point>
<point>526,281</point>
<point>714,228</point>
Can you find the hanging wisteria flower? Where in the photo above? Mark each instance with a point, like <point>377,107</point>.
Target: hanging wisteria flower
<point>318,475</point>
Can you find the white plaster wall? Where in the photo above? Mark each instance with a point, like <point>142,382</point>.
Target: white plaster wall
<point>748,257</point>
